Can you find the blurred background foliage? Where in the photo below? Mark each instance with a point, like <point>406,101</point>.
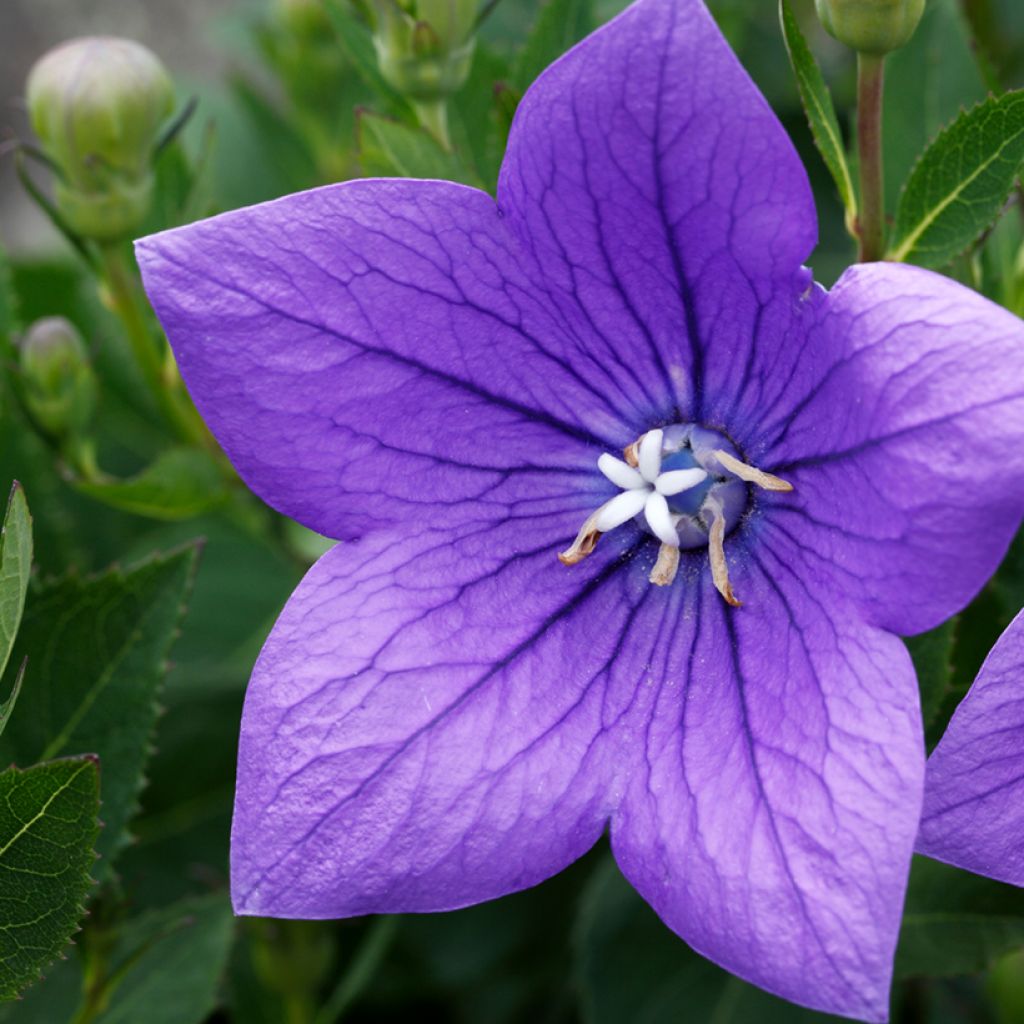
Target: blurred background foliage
<point>290,95</point>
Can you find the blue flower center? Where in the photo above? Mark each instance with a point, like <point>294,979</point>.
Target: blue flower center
<point>688,446</point>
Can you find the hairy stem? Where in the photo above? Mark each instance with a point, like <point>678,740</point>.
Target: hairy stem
<point>871,218</point>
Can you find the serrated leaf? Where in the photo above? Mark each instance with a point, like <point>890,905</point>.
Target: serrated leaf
<point>932,653</point>
<point>15,566</point>
<point>174,958</point>
<point>97,649</point>
<point>818,106</point>
<point>955,922</point>
<point>392,149</point>
<point>560,25</point>
<point>48,825</point>
<point>960,183</point>
<point>179,484</point>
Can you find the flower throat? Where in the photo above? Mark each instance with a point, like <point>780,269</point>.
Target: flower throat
<point>688,487</point>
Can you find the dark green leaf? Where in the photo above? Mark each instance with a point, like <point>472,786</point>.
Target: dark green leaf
<point>15,566</point>
<point>172,960</point>
<point>48,825</point>
<point>180,484</point>
<point>817,104</point>
<point>97,650</point>
<point>961,182</point>
<point>956,922</point>
<point>933,660</point>
<point>391,149</point>
<point>560,25</point>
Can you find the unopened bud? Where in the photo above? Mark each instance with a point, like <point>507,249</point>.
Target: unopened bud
<point>425,48</point>
<point>59,385</point>
<point>871,26</point>
<point>97,104</point>
<point>307,20</point>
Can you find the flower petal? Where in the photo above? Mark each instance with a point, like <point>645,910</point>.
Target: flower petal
<point>974,786</point>
<point>900,428</point>
<point>372,352</point>
<point>772,818</point>
<point>651,178</point>
<point>429,723</point>
<point>620,474</point>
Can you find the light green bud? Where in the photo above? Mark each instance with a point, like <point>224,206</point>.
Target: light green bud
<point>97,104</point>
<point>871,26</point>
<point>425,47</point>
<point>59,385</point>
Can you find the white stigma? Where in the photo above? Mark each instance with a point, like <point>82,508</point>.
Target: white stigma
<point>645,489</point>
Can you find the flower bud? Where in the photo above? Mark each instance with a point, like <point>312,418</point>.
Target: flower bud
<point>59,386</point>
<point>425,47</point>
<point>871,26</point>
<point>307,20</point>
<point>97,105</point>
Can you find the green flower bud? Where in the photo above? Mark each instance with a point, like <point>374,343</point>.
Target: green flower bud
<point>59,386</point>
<point>97,105</point>
<point>425,47</point>
<point>307,20</point>
<point>871,26</point>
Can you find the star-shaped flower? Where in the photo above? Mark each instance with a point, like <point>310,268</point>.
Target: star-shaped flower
<point>444,711</point>
<point>973,813</point>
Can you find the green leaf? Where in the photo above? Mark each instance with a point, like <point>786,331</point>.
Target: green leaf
<point>357,42</point>
<point>171,961</point>
<point>817,104</point>
<point>15,566</point>
<point>560,25</point>
<point>48,825</point>
<point>960,183</point>
<point>391,149</point>
<point>955,922</point>
<point>97,649</point>
<point>179,484</point>
<point>933,660</point>
<point>163,967</point>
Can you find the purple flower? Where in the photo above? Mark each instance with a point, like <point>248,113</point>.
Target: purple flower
<point>973,813</point>
<point>445,712</point>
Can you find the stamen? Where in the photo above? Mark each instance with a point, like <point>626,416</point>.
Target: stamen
<point>631,453</point>
<point>716,552</point>
<point>751,474</point>
<point>666,567</point>
<point>584,544</point>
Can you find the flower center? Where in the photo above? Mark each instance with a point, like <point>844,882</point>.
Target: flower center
<point>687,486</point>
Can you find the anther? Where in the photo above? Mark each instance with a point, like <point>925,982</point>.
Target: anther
<point>666,567</point>
<point>751,474</point>
<point>584,544</point>
<point>716,553</point>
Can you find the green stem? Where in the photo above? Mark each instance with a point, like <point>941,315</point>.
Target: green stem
<point>871,217</point>
<point>298,1008</point>
<point>434,117</point>
<point>132,312</point>
<point>361,970</point>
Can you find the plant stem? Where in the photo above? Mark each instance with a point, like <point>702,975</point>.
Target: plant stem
<point>434,117</point>
<point>871,218</point>
<point>130,309</point>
